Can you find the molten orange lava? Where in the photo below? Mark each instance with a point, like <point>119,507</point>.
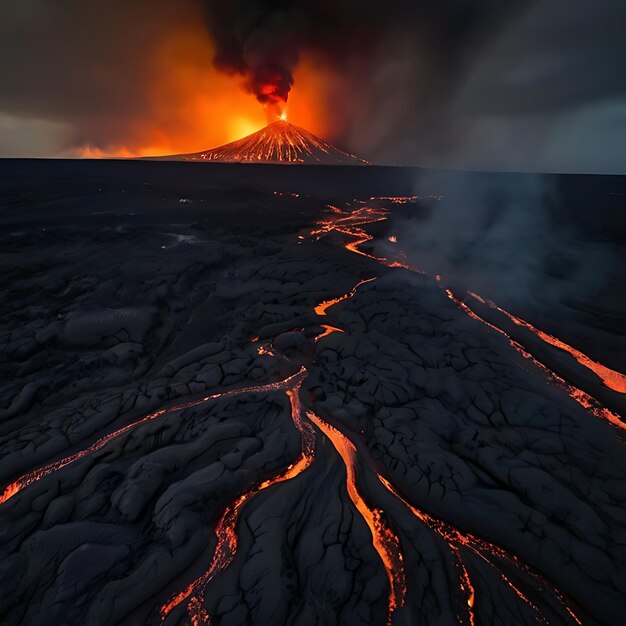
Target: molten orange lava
<point>321,308</point>
<point>611,379</point>
<point>328,330</point>
<point>265,351</point>
<point>582,397</point>
<point>278,142</point>
<point>488,552</point>
<point>39,473</point>
<point>225,530</point>
<point>385,542</point>
<point>351,222</point>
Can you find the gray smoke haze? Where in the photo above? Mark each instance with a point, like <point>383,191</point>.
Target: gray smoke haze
<point>546,93</point>
<point>482,84</point>
<point>505,237</point>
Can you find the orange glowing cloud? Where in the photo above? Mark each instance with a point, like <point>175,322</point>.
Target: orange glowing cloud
<point>191,106</point>
<point>308,104</point>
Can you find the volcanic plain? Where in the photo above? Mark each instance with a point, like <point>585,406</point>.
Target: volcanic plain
<point>261,394</point>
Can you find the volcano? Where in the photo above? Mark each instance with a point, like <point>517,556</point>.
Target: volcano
<point>279,142</point>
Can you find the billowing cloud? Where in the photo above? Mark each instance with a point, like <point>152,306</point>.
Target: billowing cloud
<point>469,83</point>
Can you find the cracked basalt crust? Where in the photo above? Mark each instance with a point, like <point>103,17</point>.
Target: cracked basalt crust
<point>506,497</point>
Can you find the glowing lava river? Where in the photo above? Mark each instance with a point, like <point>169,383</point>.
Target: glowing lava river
<point>329,435</point>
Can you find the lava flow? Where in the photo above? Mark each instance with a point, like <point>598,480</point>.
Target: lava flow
<point>488,552</point>
<point>611,379</point>
<point>351,223</point>
<point>322,307</point>
<point>31,477</point>
<point>225,530</point>
<point>387,544</point>
<point>384,540</point>
<point>328,330</point>
<point>582,397</point>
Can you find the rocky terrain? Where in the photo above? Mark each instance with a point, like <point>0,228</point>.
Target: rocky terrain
<point>245,399</point>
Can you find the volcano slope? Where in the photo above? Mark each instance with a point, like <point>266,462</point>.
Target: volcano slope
<point>279,142</point>
<point>230,399</point>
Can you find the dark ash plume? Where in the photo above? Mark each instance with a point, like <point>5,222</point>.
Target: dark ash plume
<point>513,84</point>
<point>262,40</point>
<point>256,40</point>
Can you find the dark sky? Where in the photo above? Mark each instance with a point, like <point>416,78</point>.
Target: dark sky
<point>522,84</point>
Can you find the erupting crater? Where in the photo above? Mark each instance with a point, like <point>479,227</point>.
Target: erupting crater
<point>278,142</point>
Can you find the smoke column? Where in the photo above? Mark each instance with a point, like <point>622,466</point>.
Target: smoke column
<point>262,40</point>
